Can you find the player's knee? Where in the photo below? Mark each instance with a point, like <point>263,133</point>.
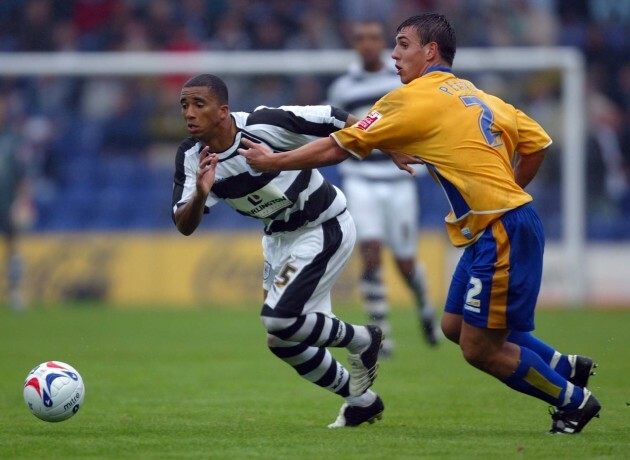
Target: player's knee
<point>273,324</point>
<point>273,341</point>
<point>473,356</point>
<point>477,355</point>
<point>450,333</point>
<point>451,328</point>
<point>407,268</point>
<point>371,257</point>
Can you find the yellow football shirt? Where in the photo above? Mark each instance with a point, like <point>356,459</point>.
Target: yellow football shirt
<point>467,139</point>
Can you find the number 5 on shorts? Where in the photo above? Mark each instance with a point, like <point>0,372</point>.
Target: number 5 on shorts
<point>283,278</point>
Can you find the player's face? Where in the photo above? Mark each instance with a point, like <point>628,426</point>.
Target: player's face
<point>203,114</point>
<point>410,55</point>
<point>369,42</point>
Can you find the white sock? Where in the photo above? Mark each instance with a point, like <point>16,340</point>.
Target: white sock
<point>360,341</point>
<point>364,400</point>
<point>556,359</point>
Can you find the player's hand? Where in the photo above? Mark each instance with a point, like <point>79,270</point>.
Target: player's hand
<point>206,171</point>
<point>258,157</point>
<point>402,160</point>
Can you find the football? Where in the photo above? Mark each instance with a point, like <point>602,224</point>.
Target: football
<point>54,391</point>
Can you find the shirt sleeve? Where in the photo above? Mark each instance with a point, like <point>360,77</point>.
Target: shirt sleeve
<point>381,128</point>
<point>290,127</point>
<point>531,136</point>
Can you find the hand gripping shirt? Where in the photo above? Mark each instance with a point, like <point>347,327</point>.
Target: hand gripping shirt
<point>467,139</point>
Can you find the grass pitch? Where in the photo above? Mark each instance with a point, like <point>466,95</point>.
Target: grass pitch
<point>201,384</point>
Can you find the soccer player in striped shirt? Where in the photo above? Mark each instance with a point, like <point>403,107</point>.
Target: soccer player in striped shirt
<point>469,141</point>
<point>308,233</point>
<point>370,185</point>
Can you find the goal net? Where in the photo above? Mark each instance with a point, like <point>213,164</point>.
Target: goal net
<point>548,83</point>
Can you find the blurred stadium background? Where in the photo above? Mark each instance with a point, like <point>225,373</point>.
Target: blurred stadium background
<point>100,148</point>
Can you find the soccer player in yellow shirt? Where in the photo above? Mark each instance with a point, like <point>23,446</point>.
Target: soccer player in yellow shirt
<point>483,152</point>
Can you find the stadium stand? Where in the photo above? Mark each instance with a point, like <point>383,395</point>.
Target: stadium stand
<point>101,149</point>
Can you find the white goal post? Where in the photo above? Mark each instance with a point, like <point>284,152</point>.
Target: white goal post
<point>569,62</point>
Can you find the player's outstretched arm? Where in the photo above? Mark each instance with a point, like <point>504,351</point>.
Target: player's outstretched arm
<point>322,152</point>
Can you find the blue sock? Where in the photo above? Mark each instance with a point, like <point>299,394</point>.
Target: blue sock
<point>556,360</point>
<point>534,377</point>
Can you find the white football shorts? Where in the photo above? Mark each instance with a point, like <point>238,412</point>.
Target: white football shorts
<point>385,210</point>
<point>301,267</point>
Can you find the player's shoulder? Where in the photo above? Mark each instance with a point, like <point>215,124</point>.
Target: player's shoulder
<point>240,118</point>
<point>418,92</point>
<point>281,115</point>
<point>187,146</point>
<point>398,96</point>
<point>264,115</point>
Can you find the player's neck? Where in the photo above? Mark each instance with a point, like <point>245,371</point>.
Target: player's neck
<point>225,136</point>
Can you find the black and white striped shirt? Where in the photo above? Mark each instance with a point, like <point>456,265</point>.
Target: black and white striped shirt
<point>283,200</point>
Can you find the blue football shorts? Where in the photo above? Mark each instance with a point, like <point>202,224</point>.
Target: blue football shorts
<point>497,280</point>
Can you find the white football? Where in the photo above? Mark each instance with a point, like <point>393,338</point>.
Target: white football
<point>54,391</point>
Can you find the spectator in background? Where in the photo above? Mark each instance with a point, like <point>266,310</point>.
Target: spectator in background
<point>308,90</point>
<point>317,30</point>
<point>362,10</point>
<point>92,18</point>
<point>599,28</point>
<point>623,83</point>
<point>266,28</point>
<point>624,90</point>
<point>605,133</point>
<point>121,26</point>
<point>520,22</point>
<point>573,18</point>
<point>125,130</point>
<point>160,23</point>
<point>229,33</point>
<point>14,204</point>
<point>382,199</point>
<point>36,28</point>
<point>164,120</point>
<point>195,16</point>
<point>267,90</point>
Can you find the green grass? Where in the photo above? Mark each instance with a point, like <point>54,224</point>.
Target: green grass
<point>202,385</point>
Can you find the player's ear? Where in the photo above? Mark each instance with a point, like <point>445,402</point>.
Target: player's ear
<point>431,51</point>
<point>224,111</point>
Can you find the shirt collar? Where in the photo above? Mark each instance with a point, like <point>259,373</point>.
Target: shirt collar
<point>439,68</point>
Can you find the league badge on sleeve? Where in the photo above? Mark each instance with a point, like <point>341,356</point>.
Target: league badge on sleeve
<point>369,120</point>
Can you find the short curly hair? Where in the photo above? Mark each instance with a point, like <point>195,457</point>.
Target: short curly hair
<point>217,87</point>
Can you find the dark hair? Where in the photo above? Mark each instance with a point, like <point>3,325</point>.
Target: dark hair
<point>434,27</point>
<point>217,87</point>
